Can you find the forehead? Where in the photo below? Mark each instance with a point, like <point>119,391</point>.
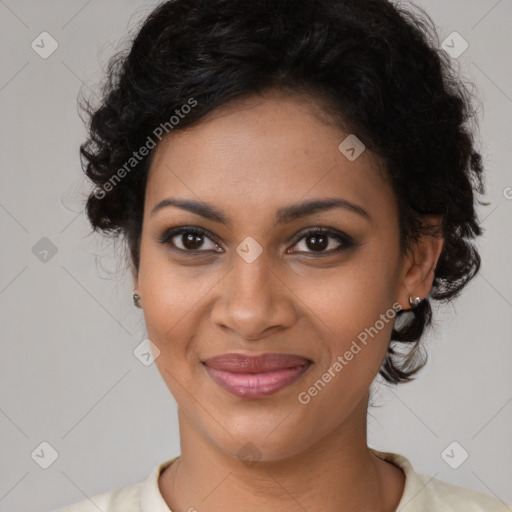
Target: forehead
<point>260,153</point>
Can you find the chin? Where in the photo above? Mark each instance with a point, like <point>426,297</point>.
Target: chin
<point>250,443</point>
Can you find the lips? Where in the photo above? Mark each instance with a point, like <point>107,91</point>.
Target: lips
<point>255,376</point>
<point>240,363</point>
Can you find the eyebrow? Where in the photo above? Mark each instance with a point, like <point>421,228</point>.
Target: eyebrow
<point>284,215</point>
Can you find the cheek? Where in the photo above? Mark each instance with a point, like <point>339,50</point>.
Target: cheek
<point>170,301</point>
<point>352,308</point>
<point>170,293</point>
<point>355,317</point>
<point>175,301</point>
<point>353,296</point>
<point>170,306</point>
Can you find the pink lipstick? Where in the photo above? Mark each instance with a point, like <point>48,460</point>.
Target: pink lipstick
<point>255,376</point>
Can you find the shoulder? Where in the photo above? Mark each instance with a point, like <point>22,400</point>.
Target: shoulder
<point>423,492</point>
<point>126,499</point>
<point>131,498</point>
<point>441,495</point>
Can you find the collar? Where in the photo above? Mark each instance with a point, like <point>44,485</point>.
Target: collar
<point>151,499</point>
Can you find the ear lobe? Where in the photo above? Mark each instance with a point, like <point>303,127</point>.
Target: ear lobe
<point>421,262</point>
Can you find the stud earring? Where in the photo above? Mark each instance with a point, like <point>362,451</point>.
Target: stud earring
<point>414,302</point>
<point>136,300</point>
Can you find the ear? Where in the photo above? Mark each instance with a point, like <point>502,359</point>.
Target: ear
<point>420,262</point>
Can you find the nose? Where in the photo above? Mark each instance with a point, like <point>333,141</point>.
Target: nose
<point>254,300</point>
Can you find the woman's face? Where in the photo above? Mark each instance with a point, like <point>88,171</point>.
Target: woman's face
<point>257,282</point>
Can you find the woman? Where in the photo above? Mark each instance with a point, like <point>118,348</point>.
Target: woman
<point>295,181</point>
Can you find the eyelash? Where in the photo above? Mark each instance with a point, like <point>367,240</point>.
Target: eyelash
<point>346,242</point>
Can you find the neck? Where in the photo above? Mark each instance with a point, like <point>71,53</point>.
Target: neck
<point>340,473</point>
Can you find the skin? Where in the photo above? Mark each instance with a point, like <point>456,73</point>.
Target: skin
<point>248,159</point>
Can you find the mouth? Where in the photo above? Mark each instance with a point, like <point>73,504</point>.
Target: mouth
<point>255,376</point>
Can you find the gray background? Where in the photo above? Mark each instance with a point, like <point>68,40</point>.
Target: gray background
<point>68,329</point>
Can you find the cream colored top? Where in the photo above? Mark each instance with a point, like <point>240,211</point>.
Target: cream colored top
<point>422,493</point>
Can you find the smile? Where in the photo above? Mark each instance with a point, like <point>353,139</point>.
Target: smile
<point>256,385</point>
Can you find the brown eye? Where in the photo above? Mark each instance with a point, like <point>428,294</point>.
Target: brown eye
<point>321,239</point>
<point>317,242</point>
<point>189,239</point>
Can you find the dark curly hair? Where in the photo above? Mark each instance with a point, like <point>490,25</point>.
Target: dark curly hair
<point>375,67</point>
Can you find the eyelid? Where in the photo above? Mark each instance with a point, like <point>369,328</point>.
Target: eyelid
<point>168,234</point>
<point>321,229</point>
<point>345,240</point>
